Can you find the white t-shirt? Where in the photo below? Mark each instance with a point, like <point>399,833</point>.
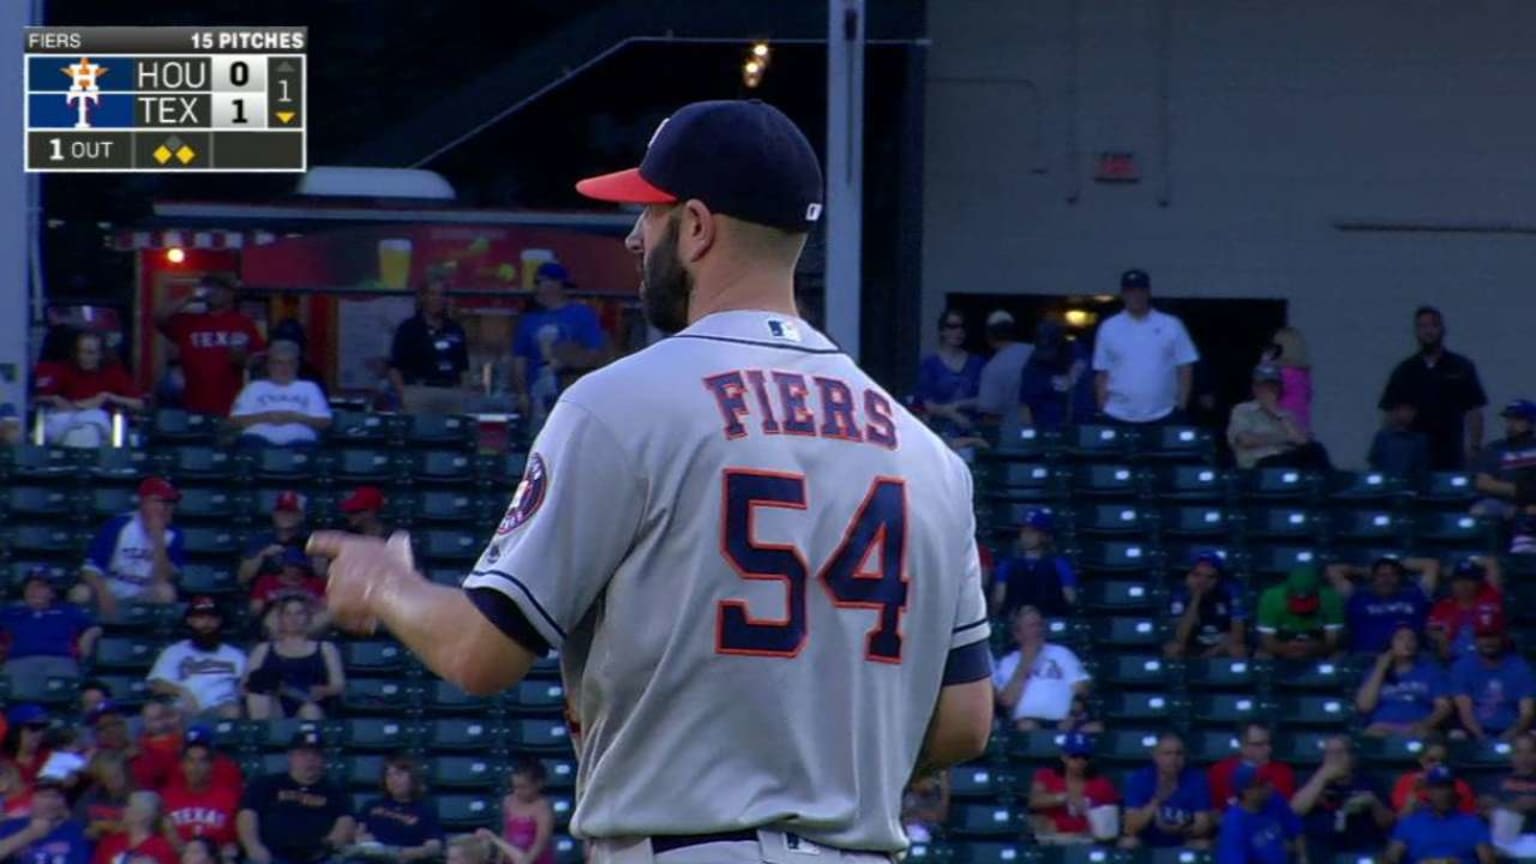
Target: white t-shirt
<point>212,676</point>
<point>302,397</point>
<point>1048,695</point>
<point>1142,358</point>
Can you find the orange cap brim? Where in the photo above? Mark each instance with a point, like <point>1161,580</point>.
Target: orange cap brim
<point>624,187</point>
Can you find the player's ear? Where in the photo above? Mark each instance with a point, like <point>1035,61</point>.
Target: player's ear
<point>696,230</point>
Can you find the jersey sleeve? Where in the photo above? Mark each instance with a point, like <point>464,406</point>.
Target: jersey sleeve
<point>98,558</point>
<point>1101,359</point>
<point>316,404</point>
<point>244,406</point>
<point>969,658</point>
<point>176,549</point>
<point>574,516</point>
<point>1184,351</point>
<point>165,664</point>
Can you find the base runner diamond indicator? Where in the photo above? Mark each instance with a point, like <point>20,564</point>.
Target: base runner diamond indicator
<point>162,155</point>
<point>185,154</point>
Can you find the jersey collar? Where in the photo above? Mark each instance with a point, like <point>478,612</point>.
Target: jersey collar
<point>762,328</point>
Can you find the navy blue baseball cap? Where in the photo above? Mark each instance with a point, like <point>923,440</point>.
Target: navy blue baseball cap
<point>1440,775</point>
<point>1135,278</point>
<point>1207,556</point>
<point>1468,568</point>
<point>1077,744</point>
<point>742,158</point>
<point>553,270</point>
<point>1040,520</point>
<point>1521,409</point>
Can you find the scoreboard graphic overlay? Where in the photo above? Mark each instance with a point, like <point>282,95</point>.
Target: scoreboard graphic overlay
<point>126,99</point>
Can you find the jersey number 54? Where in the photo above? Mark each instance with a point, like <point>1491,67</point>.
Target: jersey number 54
<point>877,531</point>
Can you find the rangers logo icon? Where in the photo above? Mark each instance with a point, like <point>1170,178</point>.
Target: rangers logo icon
<point>528,497</point>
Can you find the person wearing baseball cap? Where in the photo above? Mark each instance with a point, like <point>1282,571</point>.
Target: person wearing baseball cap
<point>135,556</point>
<point>202,672</point>
<point>1494,688</point>
<point>294,576</point>
<point>1441,831</point>
<point>554,344</point>
<point>297,816</point>
<point>361,510</point>
<point>1060,798</point>
<point>1259,825</point>
<point>1376,610</point>
<point>1002,378</point>
<point>47,637</point>
<point>1034,573</point>
<point>1501,463</point>
<point>1143,357</point>
<point>48,834</point>
<point>1301,618</point>
<point>288,531</point>
<point>1210,619</point>
<point>199,805</point>
<point>1475,595</point>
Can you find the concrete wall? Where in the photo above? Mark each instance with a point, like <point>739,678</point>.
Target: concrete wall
<point>1283,119</point>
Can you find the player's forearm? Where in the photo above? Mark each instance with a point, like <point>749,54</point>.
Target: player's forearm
<point>444,629</point>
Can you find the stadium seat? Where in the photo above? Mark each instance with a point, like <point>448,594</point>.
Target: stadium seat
<point>279,731</point>
<point>350,428</point>
<point>452,576</point>
<point>1206,746</point>
<point>1448,489</point>
<point>1364,486</point>
<point>43,540</point>
<point>1457,531</point>
<point>1301,748</point>
<point>1173,856</point>
<point>1481,754</point>
<point>464,772</point>
<point>130,690</point>
<point>977,780</point>
<point>1106,481</point>
<point>931,852</point>
<point>39,501</point>
<point>441,545</point>
<point>543,736</point>
<point>443,467</point>
<point>1030,445</point>
<point>1116,556</point>
<point>1285,523</point>
<point>209,579</point>
<point>108,501</point>
<point>559,774</point>
<point>1126,745</point>
<point>1125,707</point>
<point>1189,444</point>
<point>448,506</point>
<point>1288,484</point>
<point>467,812</point>
<point>1323,676</point>
<point>208,504</point>
<point>356,465</point>
<point>537,697</point>
<point>439,430</point>
<point>1119,596</point>
<point>1111,520</point>
<point>985,820</point>
<point>1028,482</point>
<point>363,772</point>
<point>1227,710</point>
<point>1380,526</point>
<point>1103,443</point>
<point>283,464</point>
<point>195,462</point>
<point>986,852</point>
<point>116,465</point>
<point>210,542</point>
<point>462,733</point>
<point>140,618</point>
<point>1138,671</point>
<point>499,471</point>
<point>52,691</point>
<point>1037,745</point>
<point>38,464</point>
<point>1127,632</point>
<point>175,426</point>
<point>378,734</point>
<point>376,696</point>
<point>1195,521</point>
<point>1276,560</point>
<point>1389,751</point>
<point>373,657</point>
<point>568,850</point>
<point>1221,673</point>
<point>1191,483</point>
<point>1333,711</point>
<point>562,806</point>
<point>445,698</point>
<point>1078,854</point>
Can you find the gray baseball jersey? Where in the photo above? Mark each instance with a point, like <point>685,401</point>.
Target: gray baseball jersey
<point>759,569</point>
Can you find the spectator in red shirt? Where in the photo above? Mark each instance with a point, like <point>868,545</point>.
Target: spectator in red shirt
<point>105,799</point>
<point>293,576</point>
<point>361,510</point>
<point>200,806</point>
<point>214,345</point>
<point>109,728</point>
<point>1475,597</point>
<point>81,394</point>
<point>139,838</point>
<point>1410,790</point>
<point>1257,744</point>
<point>1061,800</point>
<point>25,745</point>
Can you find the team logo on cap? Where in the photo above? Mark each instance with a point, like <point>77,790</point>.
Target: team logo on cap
<point>528,497</point>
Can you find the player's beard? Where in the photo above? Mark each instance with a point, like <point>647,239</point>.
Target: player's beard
<point>665,285</point>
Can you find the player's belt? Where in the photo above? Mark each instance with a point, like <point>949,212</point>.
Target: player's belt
<point>680,841</point>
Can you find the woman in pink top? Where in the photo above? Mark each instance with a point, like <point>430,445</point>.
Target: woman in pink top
<point>528,822</point>
<point>1289,351</point>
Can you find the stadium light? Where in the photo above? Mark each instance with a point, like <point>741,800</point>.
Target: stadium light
<point>175,254</point>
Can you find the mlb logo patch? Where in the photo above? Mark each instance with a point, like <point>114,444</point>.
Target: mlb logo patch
<point>783,330</point>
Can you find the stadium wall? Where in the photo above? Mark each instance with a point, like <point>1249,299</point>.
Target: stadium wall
<point>1283,121</point>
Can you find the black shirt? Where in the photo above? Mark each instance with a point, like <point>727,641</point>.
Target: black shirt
<point>401,824</point>
<point>295,819</point>
<point>429,357</point>
<point>1442,394</point>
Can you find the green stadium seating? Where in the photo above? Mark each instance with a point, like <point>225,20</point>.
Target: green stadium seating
<point>50,540</point>
<point>537,697</point>
<point>355,427</point>
<point>130,690</point>
<point>1458,531</point>
<point>440,545</point>
<point>1454,489</point>
<point>175,426</point>
<point>363,466</point>
<point>37,464</point>
<point>985,820</point>
<point>194,462</point>
<point>1364,486</point>
<point>1030,445</point>
<point>1222,673</point>
<point>363,772</point>
<point>443,467</point>
<point>465,772</point>
<point>1394,751</point>
<point>1112,556</point>
<point>540,736</point>
<point>210,579</point>
<point>439,430</point>
<point>200,541</point>
<point>568,850</point>
<point>200,503</point>
<point>445,698</point>
<point>1206,746</point>
<point>1133,633</point>
<point>51,691</point>
<point>467,812</point>
<point>1191,483</point>
<point>284,465</point>
<point>378,734</point>
<point>1227,710</point>
<point>1301,748</point>
<point>1076,854</point>
<point>373,657</point>
<point>1286,523</point>
<point>108,501</point>
<point>1120,596</point>
<point>1127,744</point>
<point>462,733</point>
<point>116,465</point>
<point>1274,560</point>
<point>1107,481</point>
<point>276,733</point>
<point>449,507</point>
<point>1335,711</point>
<point>1176,443</point>
<point>1028,482</point>
<point>987,852</point>
<point>1102,443</point>
<point>1377,526</point>
<point>1173,856</point>
<point>932,852</point>
<point>37,501</point>
<point>1137,671</point>
<point>1287,484</point>
<point>1324,676</point>
<point>387,696</point>
<point>1131,707</point>
<point>977,780</point>
<point>1210,520</point>
<point>559,774</point>
<point>1111,520</point>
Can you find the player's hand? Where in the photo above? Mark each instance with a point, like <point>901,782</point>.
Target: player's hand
<point>361,570</point>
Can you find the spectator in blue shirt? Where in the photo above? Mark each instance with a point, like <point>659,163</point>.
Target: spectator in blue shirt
<point>135,556</point>
<point>1207,613</point>
<point>402,819</point>
<point>1405,693</point>
<point>1167,803</point>
<point>45,638</point>
<point>1375,612</point>
<point>1342,810</point>
<point>1440,832</point>
<point>48,836</point>
<point>1035,575</point>
<point>1495,688</point>
<point>266,548</point>
<point>560,340</point>
<point>1259,827</point>
<point>949,380</point>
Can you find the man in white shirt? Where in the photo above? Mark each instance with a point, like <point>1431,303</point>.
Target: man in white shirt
<point>997,397</point>
<point>1037,683</point>
<point>280,410</point>
<point>203,673</point>
<point>1144,358</point>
